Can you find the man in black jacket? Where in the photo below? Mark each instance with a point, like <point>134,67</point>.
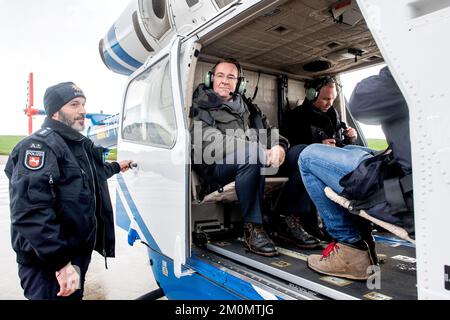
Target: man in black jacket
<point>59,199</point>
<point>316,120</point>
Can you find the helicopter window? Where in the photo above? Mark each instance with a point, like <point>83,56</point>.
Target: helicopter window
<point>149,115</point>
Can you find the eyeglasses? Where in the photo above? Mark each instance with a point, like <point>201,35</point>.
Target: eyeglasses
<point>229,77</point>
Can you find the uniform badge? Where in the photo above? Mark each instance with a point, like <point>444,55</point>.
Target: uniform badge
<point>34,160</point>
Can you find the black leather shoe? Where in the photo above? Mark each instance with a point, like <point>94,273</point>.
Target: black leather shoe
<point>297,235</point>
<point>257,240</point>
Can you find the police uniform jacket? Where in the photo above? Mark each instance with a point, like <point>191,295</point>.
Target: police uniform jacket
<point>59,198</point>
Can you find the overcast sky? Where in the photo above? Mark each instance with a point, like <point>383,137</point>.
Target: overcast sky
<point>57,41</point>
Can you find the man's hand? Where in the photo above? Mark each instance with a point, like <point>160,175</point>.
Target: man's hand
<point>69,280</point>
<point>351,134</point>
<point>125,165</point>
<point>275,156</point>
<point>329,142</point>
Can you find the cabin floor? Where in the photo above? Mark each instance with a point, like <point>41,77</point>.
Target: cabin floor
<point>396,280</point>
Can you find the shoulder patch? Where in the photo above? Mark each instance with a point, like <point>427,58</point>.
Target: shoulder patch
<point>34,159</point>
<point>44,132</point>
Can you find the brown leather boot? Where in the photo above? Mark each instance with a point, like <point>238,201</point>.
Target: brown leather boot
<point>342,260</point>
<point>257,240</point>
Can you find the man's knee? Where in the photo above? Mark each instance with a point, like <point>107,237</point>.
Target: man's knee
<point>253,170</point>
<point>249,159</point>
<point>305,157</point>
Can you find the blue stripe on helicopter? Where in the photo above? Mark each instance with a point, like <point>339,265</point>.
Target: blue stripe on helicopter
<point>137,216</point>
<point>115,66</point>
<point>122,219</point>
<point>119,51</point>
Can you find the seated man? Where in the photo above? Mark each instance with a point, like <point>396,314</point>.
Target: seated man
<point>379,99</point>
<point>226,149</point>
<point>315,121</point>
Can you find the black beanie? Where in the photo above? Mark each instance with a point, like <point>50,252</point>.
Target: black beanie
<point>58,95</point>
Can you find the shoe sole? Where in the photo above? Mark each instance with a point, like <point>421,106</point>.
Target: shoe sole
<point>339,275</point>
<point>301,246</point>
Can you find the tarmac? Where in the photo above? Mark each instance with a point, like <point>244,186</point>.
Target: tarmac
<point>128,276</point>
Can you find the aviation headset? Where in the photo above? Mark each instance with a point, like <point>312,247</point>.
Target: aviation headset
<point>313,87</point>
<point>241,81</point>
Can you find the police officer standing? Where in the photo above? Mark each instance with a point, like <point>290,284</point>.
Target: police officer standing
<point>59,199</point>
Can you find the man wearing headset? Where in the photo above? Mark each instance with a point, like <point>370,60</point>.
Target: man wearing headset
<point>375,100</point>
<point>315,121</point>
<point>225,148</point>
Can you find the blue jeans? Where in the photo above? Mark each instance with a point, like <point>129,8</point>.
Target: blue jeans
<point>320,166</point>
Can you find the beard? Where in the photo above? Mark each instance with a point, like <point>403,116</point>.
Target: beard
<point>71,121</point>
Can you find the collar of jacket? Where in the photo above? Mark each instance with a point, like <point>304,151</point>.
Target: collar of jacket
<point>63,130</point>
<point>206,98</point>
<point>331,112</point>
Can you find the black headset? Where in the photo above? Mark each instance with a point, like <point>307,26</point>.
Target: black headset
<point>241,81</point>
<point>313,87</point>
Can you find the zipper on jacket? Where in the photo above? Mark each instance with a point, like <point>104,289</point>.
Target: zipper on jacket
<point>92,169</point>
<point>100,210</point>
<point>93,179</point>
<point>52,187</point>
<point>83,174</point>
<point>104,255</point>
<point>95,193</point>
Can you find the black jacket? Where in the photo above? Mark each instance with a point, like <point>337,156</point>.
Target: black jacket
<point>59,198</point>
<point>306,125</point>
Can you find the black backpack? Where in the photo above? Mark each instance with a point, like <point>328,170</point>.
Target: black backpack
<point>379,186</point>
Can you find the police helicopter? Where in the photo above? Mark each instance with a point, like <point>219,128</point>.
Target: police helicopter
<point>166,47</point>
